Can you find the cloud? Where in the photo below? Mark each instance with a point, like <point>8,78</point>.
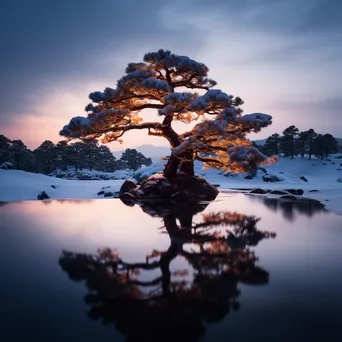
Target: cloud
<point>52,45</point>
<point>263,50</point>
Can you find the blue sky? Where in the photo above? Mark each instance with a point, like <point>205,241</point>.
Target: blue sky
<point>283,57</point>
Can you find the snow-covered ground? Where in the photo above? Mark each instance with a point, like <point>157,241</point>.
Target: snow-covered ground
<point>324,176</point>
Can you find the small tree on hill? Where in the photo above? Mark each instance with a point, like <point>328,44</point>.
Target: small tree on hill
<point>106,161</point>
<point>133,160</point>
<point>163,82</point>
<point>324,145</point>
<point>302,139</point>
<point>288,141</point>
<point>272,144</point>
<point>311,136</point>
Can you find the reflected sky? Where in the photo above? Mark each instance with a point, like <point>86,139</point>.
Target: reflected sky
<point>302,296</point>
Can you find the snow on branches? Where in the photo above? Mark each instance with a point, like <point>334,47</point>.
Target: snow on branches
<point>157,83</point>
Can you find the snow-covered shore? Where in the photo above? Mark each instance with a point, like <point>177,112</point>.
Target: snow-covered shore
<point>321,176</point>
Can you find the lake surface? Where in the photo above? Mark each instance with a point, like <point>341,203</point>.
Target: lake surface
<point>241,268</point>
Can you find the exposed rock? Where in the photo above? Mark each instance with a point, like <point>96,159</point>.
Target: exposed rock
<point>182,187</point>
<point>258,191</point>
<point>339,180</point>
<point>249,177</point>
<point>295,191</point>
<point>6,166</point>
<point>100,192</point>
<point>230,174</point>
<point>116,194</point>
<point>53,186</point>
<point>43,196</point>
<point>313,190</point>
<point>271,178</point>
<point>108,194</point>
<point>216,185</point>
<point>127,186</point>
<point>197,186</point>
<point>128,199</point>
<point>303,178</point>
<point>278,192</point>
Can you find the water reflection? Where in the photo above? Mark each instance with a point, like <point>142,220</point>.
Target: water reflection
<point>174,304</point>
<point>290,209</point>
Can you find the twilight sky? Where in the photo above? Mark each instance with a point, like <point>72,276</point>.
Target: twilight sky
<point>283,57</point>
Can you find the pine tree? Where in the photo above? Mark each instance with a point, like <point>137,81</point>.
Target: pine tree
<point>21,157</point>
<point>302,139</point>
<point>271,146</point>
<point>325,145</point>
<point>133,160</point>
<point>219,140</point>
<point>288,141</point>
<point>45,155</point>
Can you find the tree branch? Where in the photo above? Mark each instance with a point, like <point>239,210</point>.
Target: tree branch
<point>208,160</point>
<point>148,105</point>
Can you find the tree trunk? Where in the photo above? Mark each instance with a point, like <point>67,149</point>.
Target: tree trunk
<point>188,165</point>
<point>174,164</point>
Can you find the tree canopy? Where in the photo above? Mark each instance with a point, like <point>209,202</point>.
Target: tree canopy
<point>164,82</point>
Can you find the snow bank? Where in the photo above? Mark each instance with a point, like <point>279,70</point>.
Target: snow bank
<point>18,185</point>
<point>322,176</point>
<point>92,175</point>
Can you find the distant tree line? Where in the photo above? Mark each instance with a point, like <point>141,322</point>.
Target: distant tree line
<point>293,142</point>
<point>78,155</point>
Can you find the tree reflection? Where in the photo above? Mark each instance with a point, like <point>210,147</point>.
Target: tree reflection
<point>291,208</point>
<point>174,304</point>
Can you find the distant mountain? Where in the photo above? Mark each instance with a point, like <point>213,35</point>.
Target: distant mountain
<point>149,151</point>
<point>260,142</point>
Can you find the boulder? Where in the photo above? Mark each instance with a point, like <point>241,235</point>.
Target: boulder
<point>127,186</point>
<point>6,166</point>
<point>108,194</point>
<point>258,191</point>
<point>128,199</point>
<point>248,177</point>
<point>197,186</point>
<point>181,188</point>
<point>295,191</point>
<point>53,186</point>
<point>100,192</point>
<point>271,178</point>
<point>313,190</point>
<point>303,178</point>
<point>278,192</point>
<point>43,196</point>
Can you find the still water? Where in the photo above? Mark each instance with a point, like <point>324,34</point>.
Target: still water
<point>241,268</point>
